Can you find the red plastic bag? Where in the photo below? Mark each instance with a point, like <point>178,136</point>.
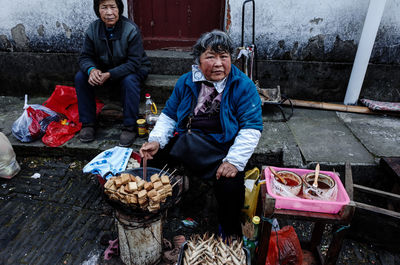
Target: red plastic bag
<point>64,101</point>
<point>289,251</point>
<point>58,133</point>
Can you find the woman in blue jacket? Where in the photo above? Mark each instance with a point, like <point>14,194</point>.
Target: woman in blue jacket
<point>112,55</point>
<point>219,101</point>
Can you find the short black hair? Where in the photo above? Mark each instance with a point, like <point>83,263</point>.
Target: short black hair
<point>217,40</point>
<point>96,5</point>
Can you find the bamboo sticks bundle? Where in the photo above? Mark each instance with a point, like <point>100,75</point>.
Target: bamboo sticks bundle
<point>212,250</point>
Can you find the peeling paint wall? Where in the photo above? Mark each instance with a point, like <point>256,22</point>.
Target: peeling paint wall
<point>315,30</point>
<point>45,26</point>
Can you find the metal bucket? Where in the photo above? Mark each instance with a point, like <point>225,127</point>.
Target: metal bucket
<point>139,238</point>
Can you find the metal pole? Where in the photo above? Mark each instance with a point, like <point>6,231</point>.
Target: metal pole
<point>368,35</point>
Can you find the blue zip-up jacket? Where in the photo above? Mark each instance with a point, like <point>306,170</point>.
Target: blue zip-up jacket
<point>240,104</point>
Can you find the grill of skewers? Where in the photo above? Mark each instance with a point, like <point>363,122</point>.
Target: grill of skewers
<point>134,194</point>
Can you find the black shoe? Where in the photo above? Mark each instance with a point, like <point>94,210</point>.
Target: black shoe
<point>87,134</point>
<point>127,136</point>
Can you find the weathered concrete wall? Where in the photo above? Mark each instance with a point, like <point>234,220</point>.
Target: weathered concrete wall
<point>306,47</point>
<point>315,30</point>
<point>42,25</point>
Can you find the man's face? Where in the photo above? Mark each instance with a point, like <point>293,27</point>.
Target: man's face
<point>215,66</point>
<point>109,12</point>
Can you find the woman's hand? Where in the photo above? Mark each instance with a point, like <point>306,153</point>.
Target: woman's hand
<point>148,150</point>
<point>227,170</point>
<point>95,77</point>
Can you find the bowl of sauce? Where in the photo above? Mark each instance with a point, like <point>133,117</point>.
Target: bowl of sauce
<point>291,188</point>
<point>326,190</point>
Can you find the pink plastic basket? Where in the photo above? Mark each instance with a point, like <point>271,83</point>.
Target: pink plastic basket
<point>301,204</point>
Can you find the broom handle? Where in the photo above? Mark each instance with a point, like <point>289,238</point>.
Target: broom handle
<point>329,106</point>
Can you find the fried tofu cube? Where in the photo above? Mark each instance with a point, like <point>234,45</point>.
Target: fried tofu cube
<point>143,201</point>
<point>121,192</point>
<point>132,199</point>
<point>140,184</point>
<point>168,187</point>
<point>131,186</point>
<point>152,193</point>
<point>157,185</point>
<point>142,194</point>
<point>154,178</point>
<point>118,182</point>
<point>113,196</point>
<point>148,186</point>
<point>156,199</point>
<point>153,208</point>
<point>164,179</point>
<point>109,183</point>
<point>125,178</point>
<point>124,200</point>
<point>111,189</point>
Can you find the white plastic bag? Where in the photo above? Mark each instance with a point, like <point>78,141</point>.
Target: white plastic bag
<point>33,122</point>
<point>9,166</point>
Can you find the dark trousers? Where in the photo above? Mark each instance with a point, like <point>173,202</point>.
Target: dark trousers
<point>229,192</point>
<point>130,96</point>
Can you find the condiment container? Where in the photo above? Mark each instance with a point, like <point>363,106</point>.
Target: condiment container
<point>326,190</point>
<point>292,187</point>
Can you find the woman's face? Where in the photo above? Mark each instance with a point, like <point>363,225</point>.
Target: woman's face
<point>215,66</point>
<point>109,12</point>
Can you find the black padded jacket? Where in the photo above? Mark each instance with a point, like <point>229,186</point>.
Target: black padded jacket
<point>127,56</point>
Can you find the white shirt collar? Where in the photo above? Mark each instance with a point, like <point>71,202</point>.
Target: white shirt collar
<point>197,76</point>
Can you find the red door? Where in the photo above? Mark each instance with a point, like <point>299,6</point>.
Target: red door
<point>175,23</point>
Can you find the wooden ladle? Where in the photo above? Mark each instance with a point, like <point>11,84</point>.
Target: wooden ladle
<point>315,184</point>
<point>145,168</point>
<point>277,175</point>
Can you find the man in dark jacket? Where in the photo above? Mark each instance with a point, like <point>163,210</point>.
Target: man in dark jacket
<point>112,54</point>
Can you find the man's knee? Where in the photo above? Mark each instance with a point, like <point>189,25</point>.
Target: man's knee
<point>131,82</point>
<point>80,78</point>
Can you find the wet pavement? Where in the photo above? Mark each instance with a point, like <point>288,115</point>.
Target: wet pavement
<point>62,217</point>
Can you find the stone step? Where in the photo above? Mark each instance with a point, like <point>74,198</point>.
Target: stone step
<point>169,62</point>
<point>159,86</point>
<point>37,74</point>
<point>310,136</point>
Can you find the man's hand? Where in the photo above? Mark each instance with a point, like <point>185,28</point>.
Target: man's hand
<point>104,77</point>
<point>227,170</point>
<point>95,78</point>
<point>148,150</point>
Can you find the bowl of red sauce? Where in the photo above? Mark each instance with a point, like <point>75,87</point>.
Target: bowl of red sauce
<point>293,184</point>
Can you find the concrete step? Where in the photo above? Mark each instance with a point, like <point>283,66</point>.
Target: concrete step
<point>310,136</point>
<point>169,62</point>
<point>37,74</point>
<point>159,86</point>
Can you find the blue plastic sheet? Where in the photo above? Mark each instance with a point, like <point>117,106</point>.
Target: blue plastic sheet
<point>110,162</point>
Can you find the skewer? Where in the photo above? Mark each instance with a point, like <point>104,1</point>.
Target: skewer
<point>166,171</point>
<point>172,172</point>
<point>179,180</point>
<point>162,169</point>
